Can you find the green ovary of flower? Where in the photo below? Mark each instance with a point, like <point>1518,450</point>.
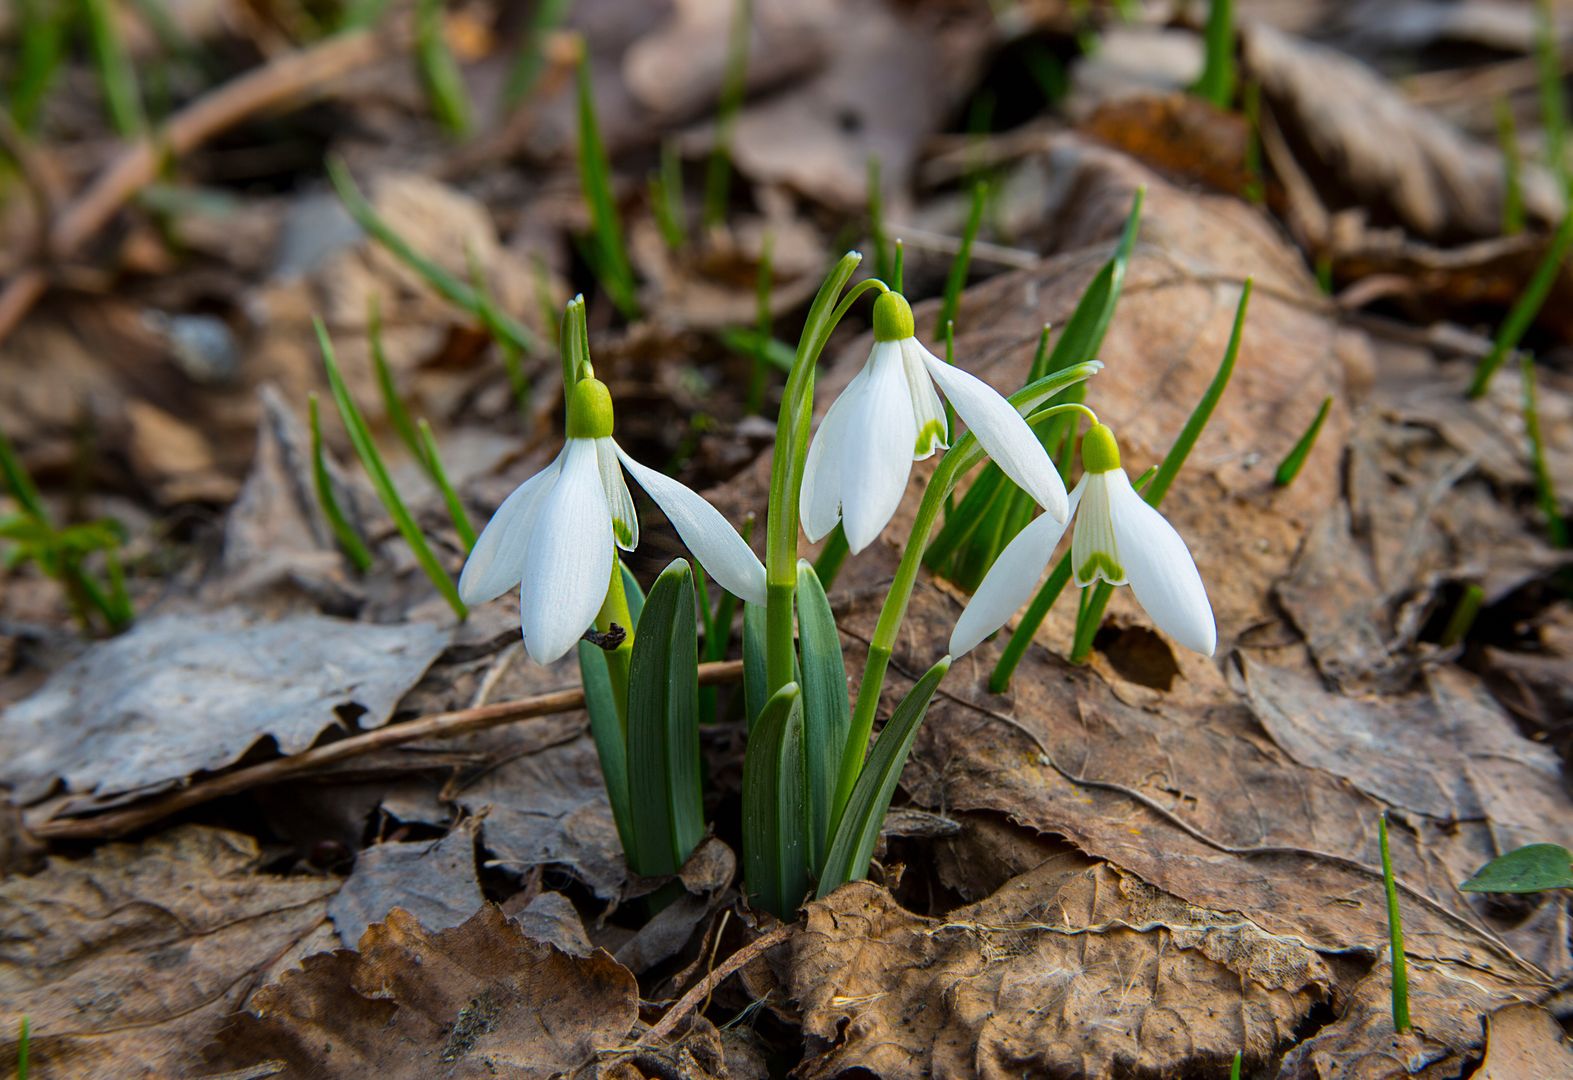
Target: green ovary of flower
<point>893,318</point>
<point>1099,452</point>
<point>590,410</point>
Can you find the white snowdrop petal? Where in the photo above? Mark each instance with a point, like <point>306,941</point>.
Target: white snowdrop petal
<point>625,519</point>
<point>1095,549</point>
<point>1002,432</point>
<point>568,564</point>
<point>1008,584</point>
<point>496,563</point>
<point>880,437</point>
<point>928,412</point>
<point>724,554</point>
<point>819,503</point>
<point>1162,573</point>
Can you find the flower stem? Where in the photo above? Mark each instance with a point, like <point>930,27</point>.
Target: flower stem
<point>614,611</point>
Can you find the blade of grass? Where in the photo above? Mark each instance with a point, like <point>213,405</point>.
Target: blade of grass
<point>1395,931</point>
<point>116,74</point>
<point>366,448</point>
<point>663,727</point>
<point>398,415</point>
<point>501,326</point>
<point>350,543</point>
<point>440,74</point>
<point>531,61</point>
<point>359,14</point>
<point>450,498</point>
<point>1553,111</point>
<point>595,172</point>
<point>775,864</point>
<point>1512,185</point>
<point>1218,75</point>
<point>1526,307</point>
<point>1091,616</point>
<point>718,176</point>
<point>1294,461</point>
<point>883,266</point>
<point>956,279</point>
<point>41,36</point>
<point>23,1039</point>
<point>1545,489</point>
<point>857,831</point>
<point>1234,1067</point>
<point>1463,616</point>
<point>666,198</point>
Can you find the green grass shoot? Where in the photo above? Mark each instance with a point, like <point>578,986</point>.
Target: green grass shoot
<point>450,498</point>
<point>884,268</point>
<point>1553,111</point>
<point>610,255</point>
<point>41,37</point>
<point>956,280</point>
<point>371,459</point>
<point>666,198</point>
<point>398,415</point>
<point>898,265</point>
<point>440,74</point>
<point>116,74</point>
<point>1091,616</point>
<point>360,14</point>
<point>1234,1066</point>
<point>1395,930</point>
<point>1218,74</point>
<point>718,174</point>
<point>24,1038</point>
<point>1463,617</point>
<point>503,327</point>
<point>1512,184</point>
<point>1294,461</point>
<point>1526,307</point>
<point>349,540</point>
<point>1545,489</point>
<point>531,62</point>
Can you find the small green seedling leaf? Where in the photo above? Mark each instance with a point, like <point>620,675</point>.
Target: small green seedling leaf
<point>856,833</point>
<point>1526,307</point>
<point>775,827</point>
<point>1533,868</point>
<point>531,62</point>
<point>1234,1067</point>
<point>350,543</point>
<point>1218,75</point>
<point>1294,461</point>
<point>663,727</point>
<point>116,73</point>
<point>1395,932</point>
<point>440,74</point>
<point>439,476</point>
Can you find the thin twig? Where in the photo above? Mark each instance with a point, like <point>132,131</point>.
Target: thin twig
<point>702,989</point>
<point>287,77</point>
<point>437,726</point>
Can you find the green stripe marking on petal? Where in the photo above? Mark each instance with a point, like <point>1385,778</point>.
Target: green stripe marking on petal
<point>931,436</point>
<point>624,534</point>
<point>1100,563</point>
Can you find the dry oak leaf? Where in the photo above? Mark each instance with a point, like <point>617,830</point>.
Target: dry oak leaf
<point>1072,969</point>
<point>129,959</point>
<point>479,1000</point>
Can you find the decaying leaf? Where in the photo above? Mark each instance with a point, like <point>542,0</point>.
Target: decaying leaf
<point>434,882</point>
<point>127,961</point>
<point>184,693</point>
<point>1070,969</point>
<point>478,1000</point>
<point>1524,1040</point>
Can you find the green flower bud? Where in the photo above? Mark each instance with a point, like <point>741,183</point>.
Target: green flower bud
<point>893,318</point>
<point>589,410</point>
<point>1099,452</point>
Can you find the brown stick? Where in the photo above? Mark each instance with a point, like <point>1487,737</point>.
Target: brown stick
<point>702,989</point>
<point>437,726</point>
<point>138,165</point>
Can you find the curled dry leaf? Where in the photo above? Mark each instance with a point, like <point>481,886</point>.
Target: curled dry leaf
<point>180,694</point>
<point>478,1000</point>
<point>127,960</point>
<point>433,881</point>
<point>1071,969</point>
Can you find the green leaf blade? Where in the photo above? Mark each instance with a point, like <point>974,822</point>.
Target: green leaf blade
<point>827,711</point>
<point>775,863</point>
<point>1532,868</point>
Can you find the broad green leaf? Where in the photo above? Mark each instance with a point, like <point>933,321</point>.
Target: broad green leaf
<point>611,741</point>
<point>775,863</point>
<point>827,713</point>
<point>755,675</point>
<point>1534,868</point>
<point>857,832</point>
<point>632,588</point>
<point>664,795</point>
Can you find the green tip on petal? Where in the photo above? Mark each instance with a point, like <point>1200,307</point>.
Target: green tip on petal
<point>590,410</point>
<point>1099,452</point>
<point>893,318</point>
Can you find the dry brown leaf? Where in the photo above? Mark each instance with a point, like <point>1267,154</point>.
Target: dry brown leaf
<point>477,1000</point>
<point>434,881</point>
<point>1070,969</point>
<point>127,961</point>
<point>1523,1041</point>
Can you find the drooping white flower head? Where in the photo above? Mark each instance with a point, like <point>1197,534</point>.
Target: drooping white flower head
<point>890,416</point>
<point>554,536</point>
<point>1119,538</point>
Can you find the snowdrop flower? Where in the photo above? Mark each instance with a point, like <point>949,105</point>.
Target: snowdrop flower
<point>554,536</point>
<point>1119,538</point>
<point>889,416</point>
